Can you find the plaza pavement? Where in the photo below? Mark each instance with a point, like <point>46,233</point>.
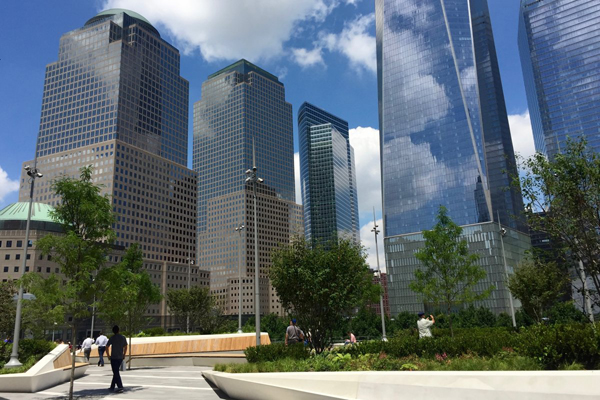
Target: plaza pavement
<point>157,383</point>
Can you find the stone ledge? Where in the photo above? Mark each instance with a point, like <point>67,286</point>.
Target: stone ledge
<point>374,385</point>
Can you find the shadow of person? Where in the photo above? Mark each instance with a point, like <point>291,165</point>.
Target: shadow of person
<point>96,394</point>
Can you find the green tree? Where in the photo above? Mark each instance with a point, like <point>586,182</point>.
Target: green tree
<point>450,274</point>
<point>196,305</point>
<point>566,190</point>
<point>538,285</point>
<point>273,324</point>
<point>86,218</point>
<point>7,308</point>
<point>321,286</point>
<point>127,292</point>
<point>366,324</point>
<point>41,313</point>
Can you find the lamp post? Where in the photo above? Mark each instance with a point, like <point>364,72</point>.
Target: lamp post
<point>253,179</point>
<point>510,299</point>
<point>375,231</point>
<point>190,261</point>
<point>33,173</point>
<point>239,230</point>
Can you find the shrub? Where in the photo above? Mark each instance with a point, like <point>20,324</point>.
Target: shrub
<point>30,352</point>
<point>276,351</point>
<point>157,331</point>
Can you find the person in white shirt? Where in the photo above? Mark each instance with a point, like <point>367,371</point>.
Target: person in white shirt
<point>87,348</point>
<point>424,325</point>
<point>101,341</point>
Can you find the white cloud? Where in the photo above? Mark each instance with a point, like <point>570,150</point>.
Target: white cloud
<point>355,43</point>
<point>522,134</point>
<point>297,178</point>
<point>229,29</point>
<point>308,58</point>
<point>367,239</point>
<point>7,185</point>
<point>365,141</point>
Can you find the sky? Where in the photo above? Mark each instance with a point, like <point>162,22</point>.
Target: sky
<point>322,50</point>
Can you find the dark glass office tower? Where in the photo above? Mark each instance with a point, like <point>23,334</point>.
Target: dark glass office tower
<point>114,99</point>
<point>445,138</point>
<point>559,42</point>
<point>327,176</point>
<point>242,105</point>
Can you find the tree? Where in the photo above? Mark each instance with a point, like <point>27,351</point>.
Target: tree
<point>450,273</point>
<point>127,293</point>
<point>7,308</point>
<point>86,218</point>
<point>562,198</point>
<point>273,324</point>
<point>321,286</point>
<point>197,305</point>
<point>538,285</point>
<point>366,323</point>
<point>40,314</point>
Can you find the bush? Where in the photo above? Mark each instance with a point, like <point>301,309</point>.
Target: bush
<point>276,351</point>
<point>30,352</point>
<point>157,331</point>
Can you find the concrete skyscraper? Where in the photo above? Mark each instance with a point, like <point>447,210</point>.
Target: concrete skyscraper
<point>115,100</point>
<point>445,139</point>
<point>559,42</point>
<point>242,106</point>
<point>327,176</point>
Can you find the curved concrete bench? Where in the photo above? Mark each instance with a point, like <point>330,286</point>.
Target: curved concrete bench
<point>53,369</point>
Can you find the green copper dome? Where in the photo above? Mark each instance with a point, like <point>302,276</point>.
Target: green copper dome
<point>115,11</point>
<point>18,212</point>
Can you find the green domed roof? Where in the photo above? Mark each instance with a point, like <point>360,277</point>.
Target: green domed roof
<point>18,212</point>
<point>115,11</point>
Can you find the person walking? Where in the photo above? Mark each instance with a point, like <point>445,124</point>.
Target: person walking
<point>293,334</point>
<point>87,348</point>
<point>101,341</point>
<point>118,344</point>
<point>424,325</point>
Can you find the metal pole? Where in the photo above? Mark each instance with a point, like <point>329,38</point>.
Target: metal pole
<point>14,356</point>
<point>190,263</point>
<point>239,230</point>
<point>93,314</point>
<point>510,299</point>
<point>374,230</point>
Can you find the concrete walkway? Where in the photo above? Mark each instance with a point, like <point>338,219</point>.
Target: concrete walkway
<point>140,384</point>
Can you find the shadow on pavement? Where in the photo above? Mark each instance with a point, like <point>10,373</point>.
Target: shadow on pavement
<point>217,391</point>
<point>90,394</point>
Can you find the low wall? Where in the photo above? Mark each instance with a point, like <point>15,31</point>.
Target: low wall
<point>53,369</point>
<point>373,385</point>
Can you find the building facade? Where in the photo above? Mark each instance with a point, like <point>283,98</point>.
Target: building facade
<point>327,176</point>
<point>559,44</point>
<point>444,137</point>
<point>242,113</point>
<point>114,100</point>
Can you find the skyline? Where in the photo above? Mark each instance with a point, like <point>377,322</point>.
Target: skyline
<point>314,61</point>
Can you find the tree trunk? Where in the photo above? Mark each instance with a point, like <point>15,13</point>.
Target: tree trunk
<point>129,348</point>
<point>450,322</point>
<point>73,349</point>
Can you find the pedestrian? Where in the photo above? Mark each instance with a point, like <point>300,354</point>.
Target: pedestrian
<point>424,325</point>
<point>8,340</point>
<point>351,339</point>
<point>87,348</point>
<point>293,334</point>
<point>101,342</point>
<point>118,344</point>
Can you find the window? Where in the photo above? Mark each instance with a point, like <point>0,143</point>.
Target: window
<point>17,256</point>
<point>16,269</point>
<point>19,243</point>
<point>7,256</point>
<point>26,269</point>
<point>9,243</point>
<point>5,269</point>
<point>48,269</point>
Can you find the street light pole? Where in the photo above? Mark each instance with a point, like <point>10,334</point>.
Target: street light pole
<point>254,180</point>
<point>239,230</point>
<point>510,299</point>
<point>374,230</point>
<point>190,263</point>
<point>33,173</point>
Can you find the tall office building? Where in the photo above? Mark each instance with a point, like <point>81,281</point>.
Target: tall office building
<point>559,42</point>
<point>242,107</point>
<point>327,176</point>
<point>115,100</point>
<point>445,139</point>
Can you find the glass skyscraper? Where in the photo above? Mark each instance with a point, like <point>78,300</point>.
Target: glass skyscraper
<point>327,176</point>
<point>559,42</point>
<point>242,106</point>
<point>445,138</point>
<point>114,99</point>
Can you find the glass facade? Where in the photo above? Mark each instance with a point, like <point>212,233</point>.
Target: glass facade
<point>327,176</point>
<point>559,43</point>
<point>444,132</point>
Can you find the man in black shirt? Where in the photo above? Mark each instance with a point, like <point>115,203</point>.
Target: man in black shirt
<point>117,344</point>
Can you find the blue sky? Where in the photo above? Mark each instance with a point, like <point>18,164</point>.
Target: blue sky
<point>322,50</point>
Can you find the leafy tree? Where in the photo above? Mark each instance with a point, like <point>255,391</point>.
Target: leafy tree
<point>538,285</point>
<point>7,308</point>
<point>504,320</point>
<point>321,286</point>
<point>566,190</point>
<point>472,317</point>
<point>450,273</point>
<point>198,305</point>
<point>273,324</point>
<point>366,323</point>
<point>406,320</point>
<point>41,313</point>
<point>127,293</point>
<point>86,218</point>
<point>566,313</point>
